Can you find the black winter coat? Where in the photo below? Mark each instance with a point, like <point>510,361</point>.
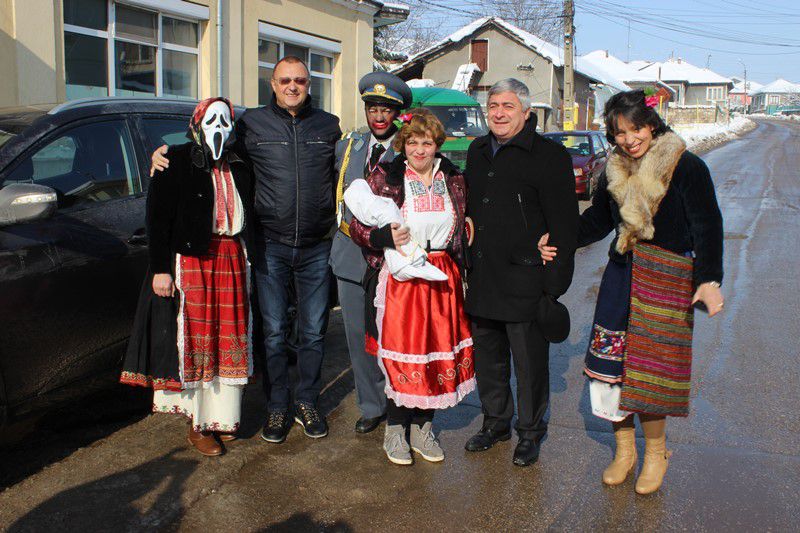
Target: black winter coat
<point>525,190</point>
<point>293,163</point>
<point>688,219</point>
<point>179,219</point>
<point>180,206</point>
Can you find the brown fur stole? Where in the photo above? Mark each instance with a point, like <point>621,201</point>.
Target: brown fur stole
<point>639,185</point>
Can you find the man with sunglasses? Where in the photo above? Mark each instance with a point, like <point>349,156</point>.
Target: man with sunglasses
<point>290,145</point>
<point>357,155</point>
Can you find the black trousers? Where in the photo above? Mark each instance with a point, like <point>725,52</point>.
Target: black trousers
<point>495,344</point>
<point>405,416</point>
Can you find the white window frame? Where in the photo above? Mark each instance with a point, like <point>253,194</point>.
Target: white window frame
<point>175,9</point>
<point>712,91</point>
<point>315,45</point>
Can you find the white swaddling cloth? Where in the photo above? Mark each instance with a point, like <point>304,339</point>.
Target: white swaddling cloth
<point>377,211</point>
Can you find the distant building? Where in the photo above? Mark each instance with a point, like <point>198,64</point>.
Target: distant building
<point>692,85</point>
<point>740,99</point>
<point>490,49</point>
<point>773,97</point>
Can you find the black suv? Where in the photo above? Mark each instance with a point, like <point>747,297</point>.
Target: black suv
<point>73,179</point>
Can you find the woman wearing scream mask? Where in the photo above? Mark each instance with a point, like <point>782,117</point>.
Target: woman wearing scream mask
<point>665,259</point>
<point>418,328</point>
<point>191,334</point>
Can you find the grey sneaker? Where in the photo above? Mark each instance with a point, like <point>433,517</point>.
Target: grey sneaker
<point>395,445</point>
<point>425,443</point>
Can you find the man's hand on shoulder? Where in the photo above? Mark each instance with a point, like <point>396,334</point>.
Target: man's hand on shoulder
<point>159,161</point>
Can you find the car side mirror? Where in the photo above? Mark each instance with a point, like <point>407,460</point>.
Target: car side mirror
<point>25,202</point>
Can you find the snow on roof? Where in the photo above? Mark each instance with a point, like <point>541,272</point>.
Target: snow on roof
<point>618,68</point>
<point>779,86</point>
<point>738,86</point>
<point>549,51</point>
<point>680,70</point>
<point>397,6</point>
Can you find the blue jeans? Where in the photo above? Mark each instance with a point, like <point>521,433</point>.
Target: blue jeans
<point>276,265</point>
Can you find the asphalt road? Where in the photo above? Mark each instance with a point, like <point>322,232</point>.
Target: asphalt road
<point>736,462</point>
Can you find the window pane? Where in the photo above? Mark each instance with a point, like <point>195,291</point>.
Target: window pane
<point>86,13</point>
<point>85,65</point>
<point>264,87</point>
<point>180,73</point>
<point>294,50</point>
<point>267,51</point>
<point>163,131</point>
<point>179,32</point>
<point>321,93</point>
<point>135,69</point>
<point>137,24</point>
<point>90,163</point>
<point>321,64</point>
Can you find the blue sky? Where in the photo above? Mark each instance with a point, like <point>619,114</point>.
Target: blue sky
<point>764,34</point>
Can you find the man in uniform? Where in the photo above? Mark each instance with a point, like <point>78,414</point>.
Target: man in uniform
<point>357,155</point>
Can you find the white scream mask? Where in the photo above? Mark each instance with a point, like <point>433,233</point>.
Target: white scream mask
<point>217,126</point>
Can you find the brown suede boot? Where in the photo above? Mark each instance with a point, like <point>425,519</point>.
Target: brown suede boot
<point>656,456</point>
<point>204,442</point>
<point>625,457</point>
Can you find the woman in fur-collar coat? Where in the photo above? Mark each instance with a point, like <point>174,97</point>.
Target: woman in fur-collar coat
<point>666,258</point>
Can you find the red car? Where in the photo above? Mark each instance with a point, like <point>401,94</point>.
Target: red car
<point>589,151</point>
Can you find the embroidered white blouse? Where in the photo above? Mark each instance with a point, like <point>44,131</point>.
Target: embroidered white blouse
<point>428,211</point>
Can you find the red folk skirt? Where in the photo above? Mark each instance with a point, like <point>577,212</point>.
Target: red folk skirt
<point>214,317</point>
<point>424,343</point>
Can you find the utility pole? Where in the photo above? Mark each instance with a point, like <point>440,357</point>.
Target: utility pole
<point>569,73</point>
<point>746,92</point>
<point>629,42</point>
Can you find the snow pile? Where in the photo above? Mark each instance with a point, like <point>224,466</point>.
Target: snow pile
<point>774,117</point>
<point>701,137</point>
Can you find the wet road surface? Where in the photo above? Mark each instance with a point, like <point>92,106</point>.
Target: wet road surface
<point>736,461</point>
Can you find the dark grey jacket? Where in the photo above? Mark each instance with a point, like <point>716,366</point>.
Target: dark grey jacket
<point>346,260</point>
<point>293,168</point>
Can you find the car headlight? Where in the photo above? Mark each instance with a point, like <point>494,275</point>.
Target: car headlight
<point>578,171</point>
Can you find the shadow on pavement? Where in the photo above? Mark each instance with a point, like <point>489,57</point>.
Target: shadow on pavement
<point>30,444</point>
<point>144,497</point>
<point>304,522</point>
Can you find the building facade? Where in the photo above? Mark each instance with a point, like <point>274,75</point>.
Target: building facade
<point>497,50</point>
<point>58,50</point>
<point>776,97</point>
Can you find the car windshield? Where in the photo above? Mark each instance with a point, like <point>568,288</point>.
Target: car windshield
<point>575,144</point>
<point>461,121</point>
<point>14,120</point>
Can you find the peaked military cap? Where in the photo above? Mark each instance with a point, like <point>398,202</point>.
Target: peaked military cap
<point>385,88</point>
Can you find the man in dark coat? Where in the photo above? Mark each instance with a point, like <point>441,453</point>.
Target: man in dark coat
<point>521,186</point>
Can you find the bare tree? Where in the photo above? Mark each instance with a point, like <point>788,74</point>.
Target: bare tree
<point>539,17</point>
<point>418,32</point>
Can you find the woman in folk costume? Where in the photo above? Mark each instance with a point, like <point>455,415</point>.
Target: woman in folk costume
<point>665,259</point>
<point>418,328</point>
<point>191,334</point>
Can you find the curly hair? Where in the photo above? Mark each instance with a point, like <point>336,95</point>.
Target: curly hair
<point>422,123</point>
<point>631,106</point>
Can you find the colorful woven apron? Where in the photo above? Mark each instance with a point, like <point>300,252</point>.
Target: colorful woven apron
<point>658,355</point>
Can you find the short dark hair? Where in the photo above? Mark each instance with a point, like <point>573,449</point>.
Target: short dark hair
<point>291,60</point>
<point>631,105</point>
